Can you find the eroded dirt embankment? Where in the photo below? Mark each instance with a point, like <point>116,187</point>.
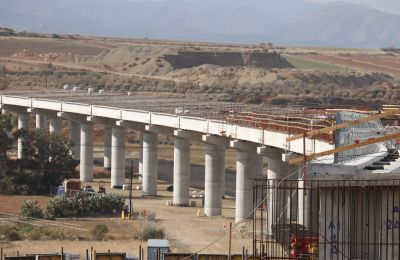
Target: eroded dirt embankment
<point>190,59</point>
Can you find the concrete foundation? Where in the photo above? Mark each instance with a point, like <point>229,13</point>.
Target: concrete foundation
<point>75,136</point>
<point>107,147</point>
<point>214,175</point>
<point>181,172</point>
<point>55,125</point>
<point>118,157</point>
<point>23,123</point>
<point>86,164</point>
<point>150,163</point>
<point>41,122</point>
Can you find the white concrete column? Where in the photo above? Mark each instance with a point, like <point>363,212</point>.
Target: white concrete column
<point>41,122</point>
<point>107,147</point>
<point>246,170</point>
<point>56,125</point>
<point>86,164</point>
<point>283,205</point>
<point>118,157</point>
<point>141,158</point>
<point>181,172</point>
<point>214,175</point>
<point>75,136</point>
<point>150,163</point>
<point>23,123</point>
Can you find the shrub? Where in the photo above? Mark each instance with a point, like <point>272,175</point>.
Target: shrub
<point>31,209</point>
<point>150,232</point>
<point>99,232</point>
<point>81,205</point>
<point>13,235</point>
<point>36,234</point>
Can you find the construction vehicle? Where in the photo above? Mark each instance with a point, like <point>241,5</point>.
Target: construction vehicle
<point>303,247</point>
<point>69,187</point>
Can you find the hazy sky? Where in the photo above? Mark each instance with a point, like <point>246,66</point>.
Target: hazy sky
<point>392,6</point>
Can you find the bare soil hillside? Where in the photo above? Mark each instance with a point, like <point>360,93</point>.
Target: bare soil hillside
<point>246,73</point>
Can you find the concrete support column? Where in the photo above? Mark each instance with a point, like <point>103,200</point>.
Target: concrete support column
<point>118,157</point>
<point>141,158</point>
<point>283,206</point>
<point>214,174</point>
<point>86,164</point>
<point>23,123</point>
<point>181,172</point>
<point>150,163</point>
<point>107,147</point>
<point>75,136</point>
<point>56,125</point>
<point>41,122</point>
<point>246,170</point>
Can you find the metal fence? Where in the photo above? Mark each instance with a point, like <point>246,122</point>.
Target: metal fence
<point>327,219</point>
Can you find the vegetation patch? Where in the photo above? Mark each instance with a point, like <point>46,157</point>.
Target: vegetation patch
<point>150,232</point>
<point>305,64</point>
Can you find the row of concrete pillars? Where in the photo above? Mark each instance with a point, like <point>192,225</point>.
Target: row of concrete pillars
<point>249,162</point>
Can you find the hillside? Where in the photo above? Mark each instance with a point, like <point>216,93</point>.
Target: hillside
<point>281,22</point>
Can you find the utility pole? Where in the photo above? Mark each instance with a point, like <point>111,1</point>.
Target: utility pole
<point>46,78</point>
<point>130,190</point>
<point>4,76</point>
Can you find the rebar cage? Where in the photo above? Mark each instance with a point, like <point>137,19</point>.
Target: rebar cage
<point>326,219</point>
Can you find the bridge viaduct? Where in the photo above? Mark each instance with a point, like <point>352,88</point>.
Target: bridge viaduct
<point>251,144</point>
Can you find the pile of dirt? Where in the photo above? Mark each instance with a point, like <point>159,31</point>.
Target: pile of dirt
<point>138,59</point>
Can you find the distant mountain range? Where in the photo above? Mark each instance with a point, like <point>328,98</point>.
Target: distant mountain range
<point>289,22</point>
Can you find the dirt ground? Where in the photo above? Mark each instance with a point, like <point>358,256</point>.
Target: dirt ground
<point>8,202</point>
<point>373,63</point>
<point>187,227</point>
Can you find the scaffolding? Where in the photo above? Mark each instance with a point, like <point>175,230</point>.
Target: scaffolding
<point>326,219</point>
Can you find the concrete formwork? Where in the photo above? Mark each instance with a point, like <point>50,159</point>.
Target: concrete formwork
<point>357,219</point>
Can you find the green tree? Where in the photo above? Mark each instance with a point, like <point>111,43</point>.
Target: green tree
<point>6,141</point>
<point>47,159</point>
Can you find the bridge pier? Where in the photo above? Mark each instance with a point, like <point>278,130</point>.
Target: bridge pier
<point>247,166</point>
<point>23,123</point>
<point>107,147</point>
<point>140,150</point>
<point>41,122</point>
<point>150,163</point>
<point>55,125</point>
<point>214,174</point>
<point>86,153</point>
<point>118,157</point>
<point>75,136</point>
<point>282,203</point>
<point>181,172</point>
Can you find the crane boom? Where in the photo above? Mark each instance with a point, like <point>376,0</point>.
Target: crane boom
<point>375,140</point>
<point>344,125</point>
